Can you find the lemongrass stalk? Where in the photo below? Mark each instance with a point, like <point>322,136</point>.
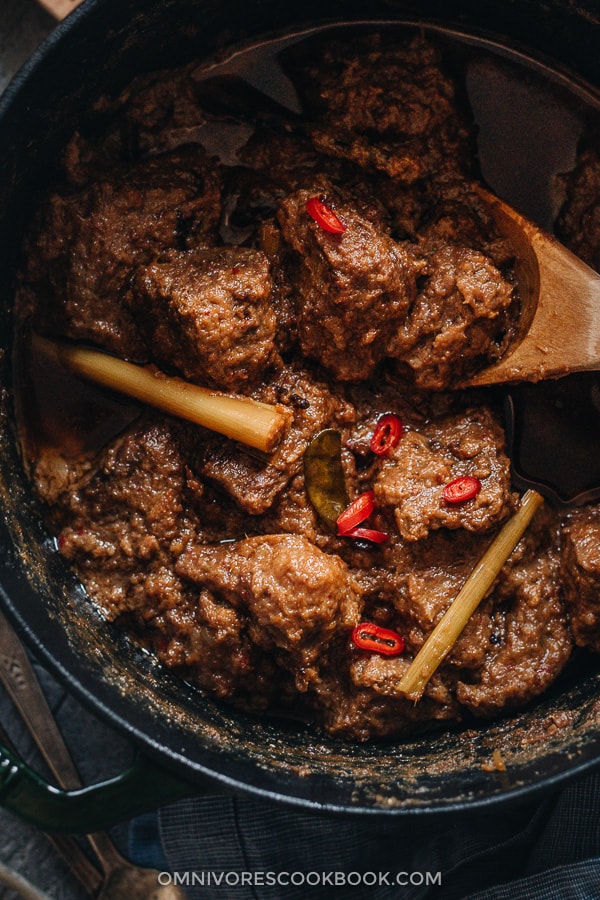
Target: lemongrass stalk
<point>259,425</point>
<point>445,634</point>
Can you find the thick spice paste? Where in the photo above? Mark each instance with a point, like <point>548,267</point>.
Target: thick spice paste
<point>340,264</point>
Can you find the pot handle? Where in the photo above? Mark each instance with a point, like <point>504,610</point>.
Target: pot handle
<point>142,787</point>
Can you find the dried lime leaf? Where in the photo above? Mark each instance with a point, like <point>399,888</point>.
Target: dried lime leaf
<point>324,476</point>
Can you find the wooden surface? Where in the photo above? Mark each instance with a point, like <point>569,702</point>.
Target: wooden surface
<point>59,8</point>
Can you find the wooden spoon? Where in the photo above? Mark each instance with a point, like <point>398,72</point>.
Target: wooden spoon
<point>559,326</point>
<point>60,9</point>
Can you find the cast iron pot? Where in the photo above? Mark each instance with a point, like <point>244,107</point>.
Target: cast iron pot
<point>185,739</point>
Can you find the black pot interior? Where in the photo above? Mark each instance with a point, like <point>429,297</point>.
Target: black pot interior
<point>100,48</point>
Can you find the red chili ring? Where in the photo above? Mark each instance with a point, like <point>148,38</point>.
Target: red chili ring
<point>387,434</point>
<point>368,636</point>
<point>324,216</point>
<point>465,487</point>
<point>367,534</point>
<point>359,510</point>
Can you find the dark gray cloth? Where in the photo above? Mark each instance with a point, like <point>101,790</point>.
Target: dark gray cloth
<point>538,849</point>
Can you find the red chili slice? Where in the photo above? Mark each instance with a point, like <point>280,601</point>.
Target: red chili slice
<point>359,510</point>
<point>324,216</point>
<point>387,434</point>
<point>368,636</point>
<point>367,534</point>
<point>465,487</point>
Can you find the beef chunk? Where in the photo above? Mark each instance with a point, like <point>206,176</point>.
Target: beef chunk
<point>578,223</point>
<point>457,320</point>
<point>390,108</point>
<point>127,521</point>
<point>207,315</point>
<point>456,214</point>
<point>161,112</point>
<point>57,476</point>
<point>413,476</point>
<point>254,481</point>
<point>580,575</point>
<point>296,597</point>
<point>157,113</point>
<point>386,90</point>
<point>285,159</point>
<point>422,579</point>
<point>365,703</point>
<point>205,639</point>
<point>358,301</point>
<point>354,289</point>
<point>271,243</point>
<point>398,162</point>
<point>531,638</point>
<point>88,242</point>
